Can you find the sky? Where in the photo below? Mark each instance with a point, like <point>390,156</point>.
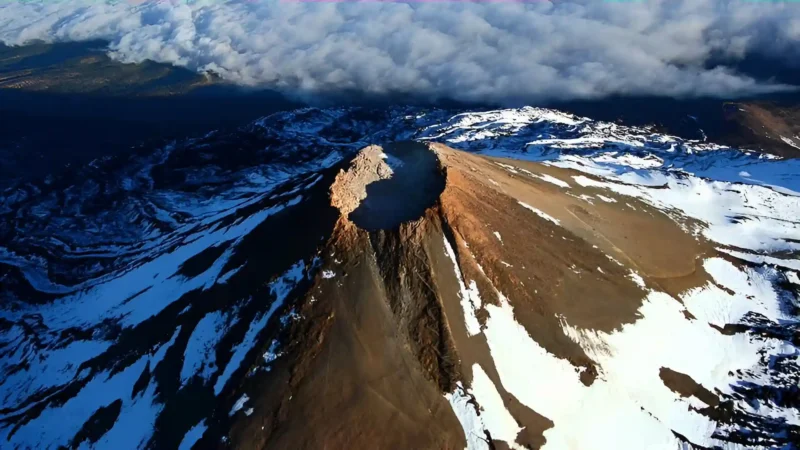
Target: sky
<point>498,51</point>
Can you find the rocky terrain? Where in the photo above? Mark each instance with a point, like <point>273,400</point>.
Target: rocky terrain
<point>405,278</point>
<point>764,125</point>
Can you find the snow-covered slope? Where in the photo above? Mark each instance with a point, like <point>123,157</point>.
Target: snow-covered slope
<point>136,292</point>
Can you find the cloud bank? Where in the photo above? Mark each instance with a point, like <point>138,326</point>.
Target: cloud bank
<point>497,52</point>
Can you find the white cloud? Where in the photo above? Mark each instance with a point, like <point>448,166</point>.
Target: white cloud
<point>501,52</point>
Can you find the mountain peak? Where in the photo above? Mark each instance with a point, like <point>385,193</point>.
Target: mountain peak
<point>383,188</point>
<point>508,278</point>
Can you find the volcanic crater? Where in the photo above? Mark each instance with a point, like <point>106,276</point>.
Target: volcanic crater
<point>385,187</point>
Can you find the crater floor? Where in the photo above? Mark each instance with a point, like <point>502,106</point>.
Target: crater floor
<point>413,184</point>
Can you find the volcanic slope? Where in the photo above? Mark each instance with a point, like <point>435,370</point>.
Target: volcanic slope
<point>510,313</point>
<point>408,296</point>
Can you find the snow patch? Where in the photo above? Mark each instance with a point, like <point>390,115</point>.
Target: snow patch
<point>751,217</point>
<point>200,354</point>
<point>495,416</point>
<point>470,298</point>
<point>57,424</point>
<point>606,199</point>
<point>762,259</point>
<point>551,179</point>
<point>272,353</point>
<point>239,404</point>
<point>280,288</point>
<point>509,168</point>
<point>637,279</point>
<point>472,424</point>
<point>790,142</point>
<point>193,435</point>
<point>227,275</point>
<point>540,213</point>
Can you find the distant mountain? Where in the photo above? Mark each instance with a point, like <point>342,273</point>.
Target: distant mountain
<point>405,278</point>
<point>94,106</point>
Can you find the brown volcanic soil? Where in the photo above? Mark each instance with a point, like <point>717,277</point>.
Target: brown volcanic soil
<point>367,386</point>
<point>380,336</point>
<point>685,386</point>
<point>762,126</point>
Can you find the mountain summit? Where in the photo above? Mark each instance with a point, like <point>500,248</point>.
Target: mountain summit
<point>411,279</point>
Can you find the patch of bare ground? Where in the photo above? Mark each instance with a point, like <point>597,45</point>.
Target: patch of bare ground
<point>765,127</point>
<point>565,268</point>
<point>685,386</point>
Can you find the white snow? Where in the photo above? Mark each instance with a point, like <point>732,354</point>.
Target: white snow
<point>200,355</point>
<point>550,179</point>
<point>470,298</point>
<point>631,357</point>
<point>51,367</point>
<point>272,352</point>
<point>475,126</point>
<point>134,301</point>
<point>765,219</point>
<point>56,425</point>
<point>193,435</point>
<point>628,406</point>
<point>508,167</point>
<point>494,415</point>
<point>630,160</point>
<point>499,238</point>
<point>752,290</point>
<point>541,213</point>
<point>227,275</point>
<point>604,415</point>
<point>474,429</point>
<point>280,288</point>
<point>790,142</point>
<point>528,134</point>
<point>606,199</point>
<point>637,279</point>
<point>762,259</point>
<point>326,274</point>
<point>557,181</point>
<point>239,404</point>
